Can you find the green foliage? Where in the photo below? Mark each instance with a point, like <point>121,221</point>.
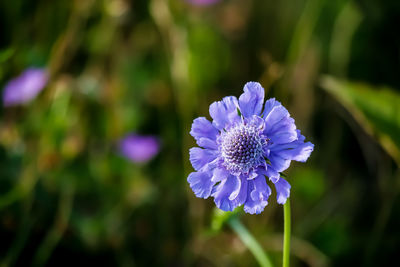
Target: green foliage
<point>309,184</point>
<point>121,66</point>
<point>220,218</point>
<point>376,109</point>
<point>205,45</point>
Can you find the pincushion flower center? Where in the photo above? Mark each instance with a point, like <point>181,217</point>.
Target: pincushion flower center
<point>241,148</point>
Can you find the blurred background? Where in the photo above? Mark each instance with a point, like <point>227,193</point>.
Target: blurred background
<point>72,191</point>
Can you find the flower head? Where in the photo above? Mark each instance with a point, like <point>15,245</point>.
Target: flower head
<point>202,2</point>
<point>139,148</point>
<point>246,142</point>
<point>25,87</point>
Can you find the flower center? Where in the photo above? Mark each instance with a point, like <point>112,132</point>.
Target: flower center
<point>242,148</point>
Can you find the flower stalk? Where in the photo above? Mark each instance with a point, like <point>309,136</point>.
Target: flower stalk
<point>286,233</point>
<point>250,242</point>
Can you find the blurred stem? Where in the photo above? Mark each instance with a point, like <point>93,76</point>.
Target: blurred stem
<point>345,26</point>
<point>69,41</point>
<point>286,233</point>
<point>26,184</point>
<point>10,197</point>
<point>175,41</point>
<point>23,233</point>
<point>382,220</point>
<point>302,36</point>
<point>56,232</point>
<point>250,242</point>
<point>304,29</point>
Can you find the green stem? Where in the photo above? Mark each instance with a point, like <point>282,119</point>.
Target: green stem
<point>250,242</point>
<point>286,233</point>
<point>56,233</point>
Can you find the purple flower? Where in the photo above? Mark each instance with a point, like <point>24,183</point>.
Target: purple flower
<point>25,87</point>
<point>139,148</point>
<point>202,2</point>
<point>242,146</point>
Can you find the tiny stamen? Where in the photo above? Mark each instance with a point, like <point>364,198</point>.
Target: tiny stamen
<point>242,148</point>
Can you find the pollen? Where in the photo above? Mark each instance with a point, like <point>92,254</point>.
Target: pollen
<point>242,148</point>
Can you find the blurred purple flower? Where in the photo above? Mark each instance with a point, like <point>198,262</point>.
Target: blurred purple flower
<point>202,2</point>
<point>246,142</point>
<point>139,148</point>
<point>25,87</point>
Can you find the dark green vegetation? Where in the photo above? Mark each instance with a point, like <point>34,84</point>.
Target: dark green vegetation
<point>119,66</point>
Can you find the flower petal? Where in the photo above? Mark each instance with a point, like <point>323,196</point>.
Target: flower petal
<point>202,2</point>
<point>139,148</point>
<point>207,143</point>
<point>282,132</point>
<point>276,115</point>
<point>258,194</point>
<point>224,190</point>
<point>285,125</point>
<point>296,150</point>
<point>256,121</point>
<point>282,190</point>
<point>203,128</point>
<point>25,87</point>
<point>272,174</point>
<point>219,174</point>
<point>224,112</point>
<point>278,163</point>
<point>241,197</point>
<point>251,101</point>
<point>301,153</point>
<point>282,138</point>
<point>201,184</point>
<point>200,157</point>
<point>269,105</point>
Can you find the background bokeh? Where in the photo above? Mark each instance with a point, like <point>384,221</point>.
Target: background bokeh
<point>68,197</point>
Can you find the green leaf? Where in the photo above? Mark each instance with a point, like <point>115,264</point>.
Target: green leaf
<point>376,109</point>
<point>250,242</point>
<point>6,54</point>
<point>310,184</point>
<point>220,217</point>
